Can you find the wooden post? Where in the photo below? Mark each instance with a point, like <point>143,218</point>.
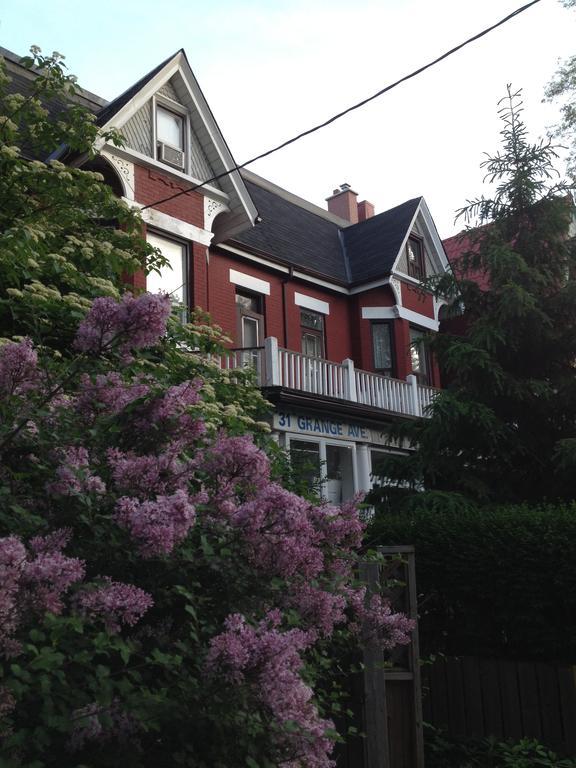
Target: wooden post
<point>413,381</point>
<point>350,380</point>
<point>272,366</point>
<point>376,746</point>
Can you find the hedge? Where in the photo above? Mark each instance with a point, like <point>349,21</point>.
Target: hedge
<point>495,582</point>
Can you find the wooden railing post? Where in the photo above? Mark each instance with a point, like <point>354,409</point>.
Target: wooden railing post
<point>413,381</point>
<point>350,380</point>
<point>272,360</point>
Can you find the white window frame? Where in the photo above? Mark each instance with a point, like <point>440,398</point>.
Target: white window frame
<point>323,443</point>
<point>178,109</point>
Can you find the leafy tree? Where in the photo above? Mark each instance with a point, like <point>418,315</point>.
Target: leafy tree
<point>504,429</point>
<point>563,86</point>
<point>164,601</point>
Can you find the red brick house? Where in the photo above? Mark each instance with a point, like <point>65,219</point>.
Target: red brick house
<point>327,304</point>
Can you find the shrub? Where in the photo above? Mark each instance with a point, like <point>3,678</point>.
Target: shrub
<point>496,581</point>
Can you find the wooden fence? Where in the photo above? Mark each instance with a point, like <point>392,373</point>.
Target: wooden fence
<point>385,696</point>
<point>472,697</point>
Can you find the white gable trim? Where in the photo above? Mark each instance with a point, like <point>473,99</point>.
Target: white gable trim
<point>431,233</point>
<point>250,282</point>
<point>309,302</point>
<point>171,224</point>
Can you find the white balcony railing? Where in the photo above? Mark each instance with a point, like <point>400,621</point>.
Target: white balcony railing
<point>277,367</point>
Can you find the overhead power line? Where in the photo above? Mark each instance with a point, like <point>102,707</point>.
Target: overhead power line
<point>333,119</point>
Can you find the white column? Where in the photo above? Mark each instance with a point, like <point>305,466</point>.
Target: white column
<point>350,380</point>
<point>363,468</point>
<point>272,378</point>
<point>413,381</point>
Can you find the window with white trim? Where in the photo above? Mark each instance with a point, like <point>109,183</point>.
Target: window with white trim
<point>172,278</point>
<point>170,137</point>
<point>415,258</point>
<point>312,327</point>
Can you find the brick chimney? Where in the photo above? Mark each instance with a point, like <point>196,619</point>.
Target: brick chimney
<point>342,202</point>
<point>365,210</point>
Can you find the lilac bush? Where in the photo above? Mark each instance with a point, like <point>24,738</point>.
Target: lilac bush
<point>195,593</point>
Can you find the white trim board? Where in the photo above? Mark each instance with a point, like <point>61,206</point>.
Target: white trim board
<point>247,281</point>
<point>391,313</point>
<point>309,302</point>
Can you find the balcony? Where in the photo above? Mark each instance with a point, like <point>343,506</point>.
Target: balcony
<point>277,367</point>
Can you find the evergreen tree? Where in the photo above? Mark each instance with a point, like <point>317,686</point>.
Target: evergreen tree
<point>504,429</point>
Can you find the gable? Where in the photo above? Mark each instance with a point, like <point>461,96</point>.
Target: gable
<point>173,85</point>
<point>423,227</point>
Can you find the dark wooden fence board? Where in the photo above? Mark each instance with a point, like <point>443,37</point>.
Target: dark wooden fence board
<point>528,684</point>
<point>511,715</point>
<point>472,700</point>
<point>491,697</point>
<point>550,715</point>
<point>503,699</point>
<point>567,693</point>
<point>455,683</point>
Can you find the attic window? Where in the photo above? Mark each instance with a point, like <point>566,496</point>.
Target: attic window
<point>415,258</point>
<point>170,137</point>
<point>169,128</point>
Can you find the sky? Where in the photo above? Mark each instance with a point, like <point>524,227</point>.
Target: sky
<point>272,68</point>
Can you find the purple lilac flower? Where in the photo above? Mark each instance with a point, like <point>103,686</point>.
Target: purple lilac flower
<point>150,474</point>
<point>74,475</point>
<point>157,526</point>
<point>34,583</point>
<point>108,393</point>
<point>132,323</point>
<point>269,660</point>
<point>18,368</point>
<point>115,603</point>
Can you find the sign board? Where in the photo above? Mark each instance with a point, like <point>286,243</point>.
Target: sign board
<point>322,426</point>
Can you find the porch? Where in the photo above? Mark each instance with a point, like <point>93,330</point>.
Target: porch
<point>278,367</point>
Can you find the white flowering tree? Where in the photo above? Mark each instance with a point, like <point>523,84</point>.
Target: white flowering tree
<point>164,600</point>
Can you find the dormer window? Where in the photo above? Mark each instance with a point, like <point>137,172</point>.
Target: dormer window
<point>415,258</point>
<point>170,137</point>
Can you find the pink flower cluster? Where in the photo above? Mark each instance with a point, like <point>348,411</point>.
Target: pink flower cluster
<point>269,661</point>
<point>115,603</point>
<point>235,467</point>
<point>18,368</point>
<point>108,393</point>
<point>279,533</point>
<point>32,582</point>
<point>132,323</point>
<point>376,622</point>
<point>157,526</point>
<point>74,475</point>
<point>150,474</point>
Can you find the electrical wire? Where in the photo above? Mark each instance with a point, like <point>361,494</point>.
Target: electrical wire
<point>359,104</point>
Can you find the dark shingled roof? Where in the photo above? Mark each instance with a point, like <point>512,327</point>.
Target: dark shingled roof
<point>354,254</point>
<point>372,246</point>
<point>293,234</point>
<point>116,104</point>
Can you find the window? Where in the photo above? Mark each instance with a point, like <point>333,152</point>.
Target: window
<point>415,258</point>
<point>169,128</point>
<point>173,278</point>
<point>305,460</point>
<point>312,325</point>
<point>250,318</point>
<point>382,348</point>
<point>419,355</point>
